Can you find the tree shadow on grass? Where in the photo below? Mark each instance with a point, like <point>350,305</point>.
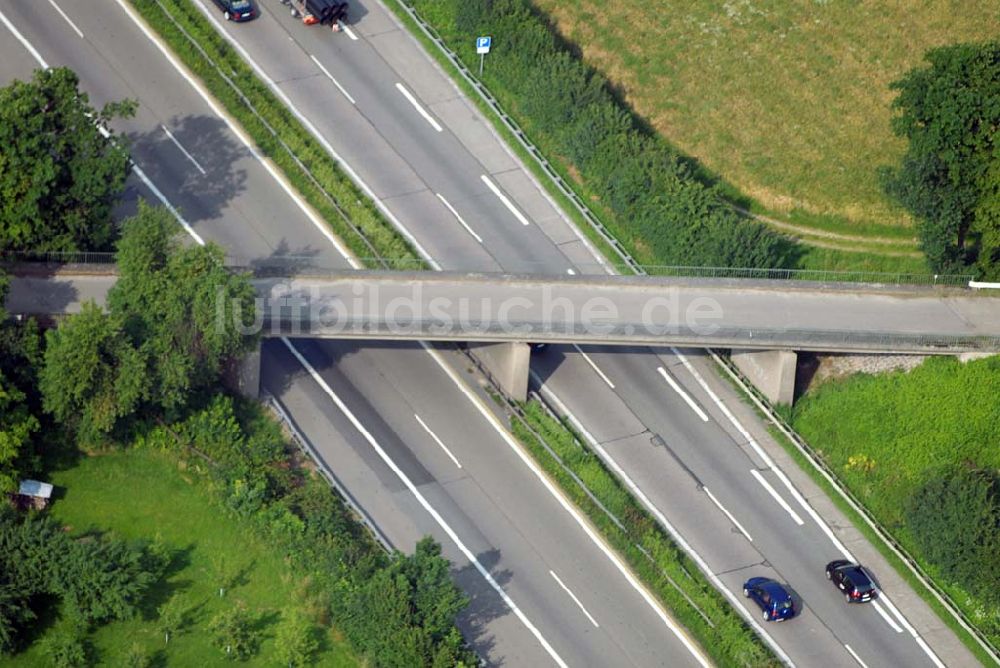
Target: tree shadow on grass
<point>165,588</point>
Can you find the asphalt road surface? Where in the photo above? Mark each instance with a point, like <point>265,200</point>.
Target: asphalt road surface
<point>545,588</point>
<point>433,165</point>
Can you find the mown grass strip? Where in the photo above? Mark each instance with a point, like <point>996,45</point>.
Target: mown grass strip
<point>351,215</point>
<point>662,567</point>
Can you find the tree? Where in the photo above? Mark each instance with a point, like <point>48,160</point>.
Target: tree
<point>14,614</point>
<point>65,648</point>
<point>233,631</point>
<point>62,169</point>
<point>173,617</point>
<point>136,657</point>
<point>92,376</point>
<point>949,112</point>
<point>295,639</point>
<point>103,578</point>
<point>986,221</point>
<point>180,304</point>
<point>955,520</point>
<point>17,425</point>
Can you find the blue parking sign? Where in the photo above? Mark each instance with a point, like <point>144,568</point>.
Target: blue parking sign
<point>483,44</point>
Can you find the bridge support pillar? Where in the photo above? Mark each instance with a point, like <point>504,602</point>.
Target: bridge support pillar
<point>248,374</point>
<point>507,363</point>
<point>771,371</point>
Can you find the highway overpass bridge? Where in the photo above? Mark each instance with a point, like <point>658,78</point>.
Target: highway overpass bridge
<point>780,317</point>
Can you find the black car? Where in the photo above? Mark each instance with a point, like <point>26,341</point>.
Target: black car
<point>237,10</point>
<point>853,579</point>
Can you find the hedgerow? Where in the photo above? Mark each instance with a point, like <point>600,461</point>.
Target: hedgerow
<point>651,197</point>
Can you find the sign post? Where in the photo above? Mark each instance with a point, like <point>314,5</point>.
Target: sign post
<point>483,45</point>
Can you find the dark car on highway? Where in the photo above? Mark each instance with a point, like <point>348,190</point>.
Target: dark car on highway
<point>774,600</point>
<point>237,10</point>
<point>853,580</point>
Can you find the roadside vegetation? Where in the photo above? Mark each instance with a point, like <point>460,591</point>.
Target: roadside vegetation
<point>351,214</point>
<point>175,489</point>
<point>651,197</point>
<point>919,450</point>
<point>665,206</point>
<point>140,494</point>
<point>658,562</point>
<point>59,177</point>
<point>788,102</point>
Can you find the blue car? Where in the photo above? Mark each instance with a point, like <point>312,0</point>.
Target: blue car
<point>774,600</point>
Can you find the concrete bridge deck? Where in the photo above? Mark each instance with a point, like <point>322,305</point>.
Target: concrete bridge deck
<point>441,306</point>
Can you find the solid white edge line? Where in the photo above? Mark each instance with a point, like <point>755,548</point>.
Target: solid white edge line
<point>331,78</point>
<point>319,224</point>
<point>315,132</point>
<point>347,29</point>
<point>438,440</point>
<point>595,367</point>
<point>720,586</point>
<point>684,395</point>
<point>855,655</point>
<point>104,133</point>
<point>421,500</point>
<point>24,41</point>
<point>503,198</point>
<point>727,513</point>
<point>885,615</point>
<point>929,652</point>
<point>183,150</point>
<point>318,136</point>
<point>575,599</point>
<point>777,497</point>
<point>63,14</point>
<point>416,105</point>
<point>533,466</point>
<point>798,497</point>
<point>166,203</point>
<point>460,219</point>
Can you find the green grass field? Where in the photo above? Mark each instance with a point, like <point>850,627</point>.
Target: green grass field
<point>141,494</point>
<point>885,435</point>
<point>786,100</point>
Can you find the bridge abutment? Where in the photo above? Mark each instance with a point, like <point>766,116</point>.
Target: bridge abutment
<point>771,371</point>
<point>508,363</point>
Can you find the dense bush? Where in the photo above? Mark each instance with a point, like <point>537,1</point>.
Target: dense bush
<point>59,176</point>
<point>19,405</point>
<point>97,578</point>
<point>396,609</point>
<point>950,176</point>
<point>652,197</point>
<point>955,521</point>
<point>174,324</point>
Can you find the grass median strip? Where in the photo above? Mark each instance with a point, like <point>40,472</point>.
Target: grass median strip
<point>662,567</point>
<point>351,215</point>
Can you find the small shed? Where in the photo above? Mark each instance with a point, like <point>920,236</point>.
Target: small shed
<point>34,494</point>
